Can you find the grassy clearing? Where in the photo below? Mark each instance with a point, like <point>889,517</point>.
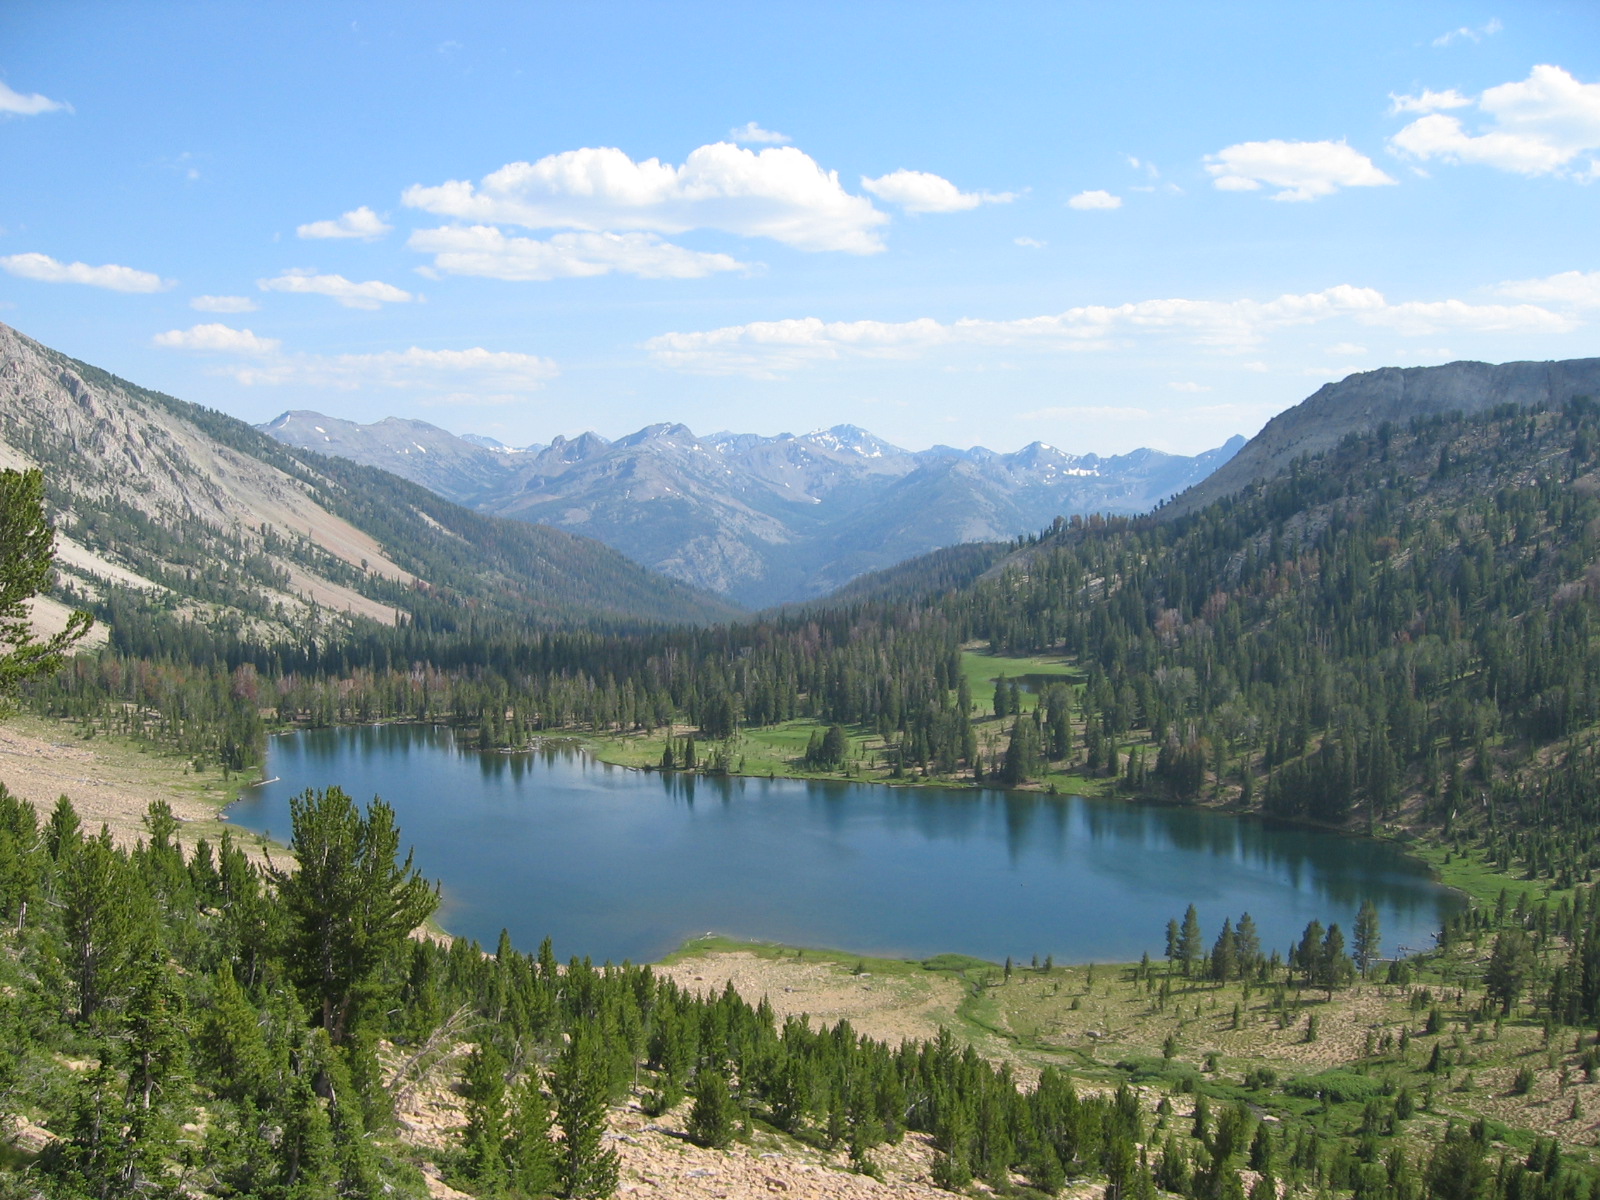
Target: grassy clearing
<point>779,750</point>
<point>981,670</point>
<point>1471,873</point>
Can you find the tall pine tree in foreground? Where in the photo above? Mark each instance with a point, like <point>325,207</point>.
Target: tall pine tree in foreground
<point>585,1168</point>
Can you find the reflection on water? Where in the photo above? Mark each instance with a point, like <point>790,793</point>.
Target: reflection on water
<point>625,864</point>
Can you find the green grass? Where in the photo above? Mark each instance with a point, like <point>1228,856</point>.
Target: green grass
<point>1469,872</point>
<point>981,670</point>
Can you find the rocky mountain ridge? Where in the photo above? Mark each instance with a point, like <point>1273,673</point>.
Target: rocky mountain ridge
<point>183,511</point>
<point>762,520</point>
<point>1362,402</point>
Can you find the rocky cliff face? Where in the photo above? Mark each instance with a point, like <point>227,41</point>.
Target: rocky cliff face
<point>762,520</point>
<point>1365,401</point>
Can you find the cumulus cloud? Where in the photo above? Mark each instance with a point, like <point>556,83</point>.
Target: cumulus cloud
<point>1467,33</point>
<point>1030,243</point>
<point>223,304</point>
<point>216,338</point>
<point>766,349</point>
<point>110,276</point>
<point>15,104</point>
<point>1540,126</point>
<point>360,223</point>
<point>779,193</point>
<point>486,251</point>
<point>751,132</point>
<point>1575,289</point>
<point>1086,201</point>
<point>1428,101</point>
<point>1303,170</point>
<point>1189,385</point>
<point>922,192</point>
<point>370,294</point>
<point>453,372</point>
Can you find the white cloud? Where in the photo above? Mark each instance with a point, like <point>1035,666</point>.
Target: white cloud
<point>1539,126</point>
<point>1427,102</point>
<point>1030,243</point>
<point>751,132</point>
<point>1188,385</point>
<point>765,349</point>
<point>110,276</point>
<point>1085,201</point>
<point>493,371</point>
<point>1260,368</point>
<point>1304,170</point>
<point>778,193</point>
<point>922,192</point>
<point>223,304</point>
<point>221,339</point>
<point>472,376</point>
<point>360,223</point>
<point>1469,34</point>
<point>1416,317</point>
<point>485,251</point>
<point>1344,350</point>
<point>1577,289</point>
<point>16,104</point>
<point>371,294</point>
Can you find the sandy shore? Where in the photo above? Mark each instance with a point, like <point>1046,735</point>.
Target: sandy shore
<point>887,1008</point>
<point>110,782</point>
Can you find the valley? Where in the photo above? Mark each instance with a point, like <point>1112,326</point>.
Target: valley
<point>771,602</point>
<point>763,521</point>
<point>990,766</point>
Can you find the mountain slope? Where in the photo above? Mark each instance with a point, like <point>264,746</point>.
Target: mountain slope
<point>764,520</point>
<point>192,513</point>
<point>1361,403</point>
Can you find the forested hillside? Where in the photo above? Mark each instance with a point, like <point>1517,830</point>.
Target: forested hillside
<point>170,512</point>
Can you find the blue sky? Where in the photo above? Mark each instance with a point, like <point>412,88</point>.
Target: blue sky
<point>1100,226</point>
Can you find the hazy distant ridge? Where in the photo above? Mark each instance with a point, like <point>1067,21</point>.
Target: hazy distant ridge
<point>764,520</point>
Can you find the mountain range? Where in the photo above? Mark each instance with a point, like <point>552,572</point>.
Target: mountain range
<point>761,520</point>
<point>172,510</point>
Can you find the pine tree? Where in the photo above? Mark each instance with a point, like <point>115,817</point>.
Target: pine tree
<point>711,1120</point>
<point>232,1043</point>
<point>1190,947</point>
<point>349,906</point>
<point>580,1084</point>
<point>27,549</point>
<point>484,1138</point>
<point>104,920</point>
<point>1366,938</point>
<point>530,1154</point>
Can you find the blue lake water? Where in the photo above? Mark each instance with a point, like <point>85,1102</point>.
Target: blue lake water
<point>616,864</point>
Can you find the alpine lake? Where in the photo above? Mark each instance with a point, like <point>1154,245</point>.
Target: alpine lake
<point>621,864</point>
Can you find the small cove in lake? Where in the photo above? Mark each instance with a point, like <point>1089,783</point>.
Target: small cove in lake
<point>614,863</point>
